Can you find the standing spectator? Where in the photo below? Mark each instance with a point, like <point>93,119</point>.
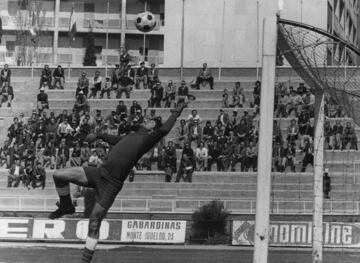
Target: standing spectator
<point>183,92</point>
<point>124,59</point>
<point>247,119</point>
<point>6,94</point>
<point>225,99</point>
<point>142,76</point>
<point>204,77</point>
<point>157,92</point>
<point>170,94</point>
<point>126,81</point>
<point>106,88</point>
<point>338,131</point>
<point>16,174</point>
<point>182,134</point>
<point>349,136</point>
<point>201,157</point>
<point>49,155</point>
<point>326,184</point>
<point>46,77</point>
<point>83,85</point>
<point>153,75</point>
<point>309,155</point>
<point>96,83</point>
<point>42,100</point>
<point>115,77</point>
<point>51,131</point>
<point>256,96</point>
<point>63,155</point>
<point>5,75</point>
<point>58,78</point>
<point>169,161</point>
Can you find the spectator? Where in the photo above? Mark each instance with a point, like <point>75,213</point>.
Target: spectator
<point>309,155</point>
<point>124,127</point>
<point>6,94</point>
<point>309,100</point>
<point>295,103</point>
<point>192,117</point>
<point>208,131</point>
<point>115,77</point>
<point>15,129</point>
<point>223,117</point>
<point>292,132</point>
<point>124,59</point>
<point>83,85</point>
<point>75,159</point>
<point>153,156</point>
<point>112,120</point>
<point>5,75</point>
<point>225,156</point>
<point>46,77</point>
<point>187,164</point>
<point>214,156</point>
<point>303,119</point>
<point>237,90</point>
<point>42,100</point>
<point>134,108</point>
<point>201,157</point>
<point>251,157</point>
<point>62,155</point>
<point>81,103</point>
<point>153,75</point>
<point>121,108</point>
<point>329,135</point>
<point>58,78</point>
<point>252,135</point>
<point>16,174</point>
<point>308,132</point>
<point>126,81</point>
<point>96,85</point>
<point>170,94</point>
<point>195,133</point>
<point>338,131</point>
<point>238,156</point>
<point>225,99</point>
<point>247,119</point>
<point>349,137</point>
<point>241,131</point>
<point>49,155</point>
<point>204,77</point>
<point>85,153</point>
<point>290,155</point>
<point>283,102</point>
<point>279,155</point>
<point>301,90</point>
<point>169,161</point>
<point>38,176</point>
<point>183,93</point>
<point>235,118</point>
<point>142,76</point>
<point>64,130</point>
<point>94,159</point>
<point>326,184</point>
<point>237,101</point>
<point>157,92</point>
<point>182,133</point>
<point>256,96</point>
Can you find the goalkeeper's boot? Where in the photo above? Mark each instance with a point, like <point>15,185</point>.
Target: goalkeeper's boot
<point>61,211</point>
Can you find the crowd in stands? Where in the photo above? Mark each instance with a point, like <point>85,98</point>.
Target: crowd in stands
<point>229,142</point>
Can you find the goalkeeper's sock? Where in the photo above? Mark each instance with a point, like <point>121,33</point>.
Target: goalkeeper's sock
<point>87,255</point>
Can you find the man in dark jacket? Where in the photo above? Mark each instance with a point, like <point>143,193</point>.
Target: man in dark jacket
<point>58,78</point>
<point>46,77</point>
<point>157,92</point>
<point>142,76</point>
<point>5,75</point>
<point>169,161</point>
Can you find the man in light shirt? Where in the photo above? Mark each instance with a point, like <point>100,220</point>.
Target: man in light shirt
<point>201,157</point>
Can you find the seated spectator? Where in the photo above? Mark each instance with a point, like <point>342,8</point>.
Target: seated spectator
<point>226,156</point>
<point>49,155</point>
<point>58,78</point>
<point>63,155</point>
<point>42,100</point>
<point>6,94</point>
<point>253,135</point>
<point>137,118</point>
<point>16,174</point>
<point>309,155</point>
<point>38,176</point>
<point>169,159</point>
<point>279,155</point>
<point>64,130</point>
<point>152,157</point>
<point>309,100</point>
<point>157,92</point>
<point>142,76</point>
<point>96,84</point>
<point>349,137</point>
<point>182,134</point>
<point>183,93</point>
<point>295,103</point>
<point>5,75</point>
<point>15,129</point>
<point>75,159</point>
<point>94,159</point>
<point>124,59</point>
<point>225,99</point>
<point>153,75</point>
<point>214,156</point>
<point>204,77</point>
<point>256,96</point>
<point>237,90</point>
<point>238,156</point>
<point>241,131</point>
<point>329,135</point>
<point>201,157</point>
<point>338,131</point>
<point>290,154</point>
<point>223,117</point>
<point>187,165</point>
<point>303,119</point>
<point>248,119</point>
<point>170,94</point>
<point>307,132</point>
<point>192,117</point>
<point>126,81</point>
<point>83,85</point>
<point>124,127</point>
<point>85,153</point>
<point>292,132</point>
<point>135,107</point>
<point>195,133</point>
<point>106,88</point>
<point>112,120</point>
<point>46,77</point>
<point>208,131</point>
<point>81,103</point>
<point>234,118</point>
<point>251,157</point>
<point>301,90</point>
<point>237,100</point>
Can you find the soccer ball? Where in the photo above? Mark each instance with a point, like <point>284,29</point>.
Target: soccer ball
<point>145,22</point>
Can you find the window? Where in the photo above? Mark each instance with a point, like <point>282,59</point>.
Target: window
<point>10,46</point>
<point>89,7</point>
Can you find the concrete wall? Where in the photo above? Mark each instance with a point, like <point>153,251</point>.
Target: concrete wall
<point>241,44</point>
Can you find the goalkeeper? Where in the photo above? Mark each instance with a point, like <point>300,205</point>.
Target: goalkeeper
<point>109,178</point>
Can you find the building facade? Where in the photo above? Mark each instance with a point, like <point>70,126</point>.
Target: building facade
<point>223,33</point>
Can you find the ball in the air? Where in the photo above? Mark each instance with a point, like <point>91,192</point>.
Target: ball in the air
<point>145,22</point>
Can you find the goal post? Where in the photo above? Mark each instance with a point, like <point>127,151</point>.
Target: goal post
<point>262,218</point>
